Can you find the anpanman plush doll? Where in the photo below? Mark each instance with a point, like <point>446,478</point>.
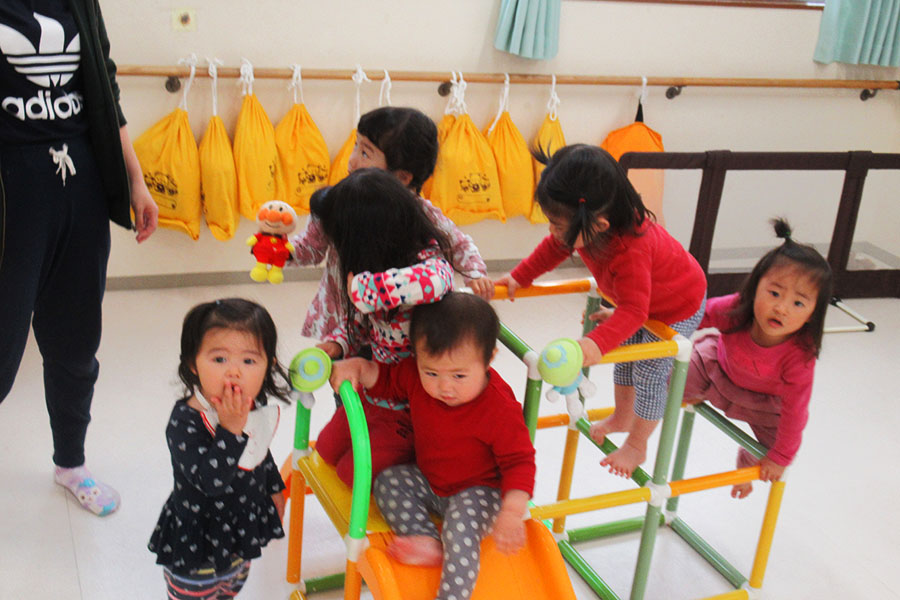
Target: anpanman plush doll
<point>270,245</point>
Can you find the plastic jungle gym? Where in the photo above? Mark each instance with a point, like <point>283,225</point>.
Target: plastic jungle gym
<point>536,571</point>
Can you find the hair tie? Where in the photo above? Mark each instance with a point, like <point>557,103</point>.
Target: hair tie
<point>581,201</point>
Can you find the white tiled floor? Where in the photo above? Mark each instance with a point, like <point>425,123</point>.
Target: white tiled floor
<point>836,538</point>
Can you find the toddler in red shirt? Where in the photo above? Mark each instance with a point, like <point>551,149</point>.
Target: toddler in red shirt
<point>474,457</point>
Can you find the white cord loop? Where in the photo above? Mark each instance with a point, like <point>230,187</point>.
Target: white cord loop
<point>643,98</point>
<point>296,83</point>
<point>190,61</point>
<point>460,92</point>
<point>553,103</point>
<point>213,71</point>
<point>63,161</point>
<point>358,78</point>
<point>504,102</point>
<point>246,78</point>
<point>384,96</point>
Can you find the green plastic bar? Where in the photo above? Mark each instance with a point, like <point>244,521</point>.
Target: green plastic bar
<point>301,427</point>
<point>532,405</point>
<point>681,454</point>
<point>645,552</point>
<point>593,532</point>
<point>362,461</point>
<point>731,430</point>
<point>639,476</point>
<point>588,574</point>
<point>513,342</point>
<point>703,548</point>
<point>325,583</point>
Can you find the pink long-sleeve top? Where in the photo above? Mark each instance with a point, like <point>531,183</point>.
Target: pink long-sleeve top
<point>785,370</point>
<point>647,274</point>
<point>326,311</point>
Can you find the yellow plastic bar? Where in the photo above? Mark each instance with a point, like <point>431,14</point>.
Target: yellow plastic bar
<point>697,484</point>
<point>593,414</point>
<point>640,352</point>
<point>295,528</point>
<point>766,535</point>
<point>546,288</point>
<point>733,595</point>
<point>565,475</point>
<point>581,505</point>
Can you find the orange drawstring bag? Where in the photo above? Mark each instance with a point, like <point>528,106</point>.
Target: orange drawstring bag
<point>255,154</point>
<point>339,166</point>
<point>218,180</point>
<point>514,161</point>
<point>170,162</point>
<point>637,137</point>
<point>443,128</point>
<point>305,162</point>
<point>549,139</point>
<point>466,185</point>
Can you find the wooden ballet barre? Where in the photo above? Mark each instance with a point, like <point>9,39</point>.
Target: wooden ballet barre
<point>522,78</point>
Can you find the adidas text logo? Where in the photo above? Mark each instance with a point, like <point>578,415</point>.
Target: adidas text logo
<point>41,107</point>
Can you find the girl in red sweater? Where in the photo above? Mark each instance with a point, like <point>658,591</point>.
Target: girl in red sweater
<point>760,367</point>
<point>593,210</point>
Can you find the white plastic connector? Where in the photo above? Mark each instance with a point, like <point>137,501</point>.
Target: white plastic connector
<point>685,347</point>
<point>670,515</point>
<point>752,592</point>
<point>689,408</point>
<point>296,455</point>
<point>355,547</point>
<point>560,537</point>
<point>659,493</point>
<point>531,360</point>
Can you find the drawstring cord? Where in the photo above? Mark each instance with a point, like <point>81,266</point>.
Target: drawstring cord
<point>358,78</point>
<point>63,161</point>
<point>296,83</point>
<point>504,103</point>
<point>553,103</point>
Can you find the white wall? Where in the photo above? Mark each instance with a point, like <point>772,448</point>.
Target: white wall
<point>596,37</point>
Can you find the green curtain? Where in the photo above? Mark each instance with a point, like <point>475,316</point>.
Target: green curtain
<point>529,28</point>
<point>860,32</point>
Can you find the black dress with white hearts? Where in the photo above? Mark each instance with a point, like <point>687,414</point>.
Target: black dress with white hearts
<point>216,511</point>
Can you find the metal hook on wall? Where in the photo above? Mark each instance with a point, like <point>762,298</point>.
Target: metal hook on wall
<point>673,91</point>
<point>173,84</point>
<point>866,94</point>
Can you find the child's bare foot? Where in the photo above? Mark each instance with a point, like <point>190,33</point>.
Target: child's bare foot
<point>625,460</point>
<point>741,490</point>
<point>612,424</point>
<point>418,550</point>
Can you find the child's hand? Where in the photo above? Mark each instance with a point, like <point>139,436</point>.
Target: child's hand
<point>350,277</point>
<point>278,499</point>
<point>482,286</point>
<point>769,470</point>
<point>232,408</point>
<point>600,316</point>
<point>591,351</point>
<point>358,371</point>
<point>511,285</point>
<point>332,349</point>
<point>509,531</point>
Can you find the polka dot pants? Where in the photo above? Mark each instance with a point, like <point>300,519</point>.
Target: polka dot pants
<point>405,499</point>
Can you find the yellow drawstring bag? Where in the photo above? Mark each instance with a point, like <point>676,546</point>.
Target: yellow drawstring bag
<point>549,139</point>
<point>637,137</point>
<point>443,128</point>
<point>339,168</point>
<point>514,167</point>
<point>466,185</point>
<point>218,180</point>
<point>255,154</point>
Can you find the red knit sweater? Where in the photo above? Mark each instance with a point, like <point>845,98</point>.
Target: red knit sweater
<point>647,274</point>
<point>483,442</point>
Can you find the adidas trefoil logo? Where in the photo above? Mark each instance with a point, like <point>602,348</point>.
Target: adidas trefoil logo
<point>51,64</point>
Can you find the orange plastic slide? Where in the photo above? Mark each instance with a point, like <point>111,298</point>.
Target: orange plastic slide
<point>536,572</point>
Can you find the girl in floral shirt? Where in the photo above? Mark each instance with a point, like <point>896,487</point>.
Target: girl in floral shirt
<point>404,142</point>
<point>391,257</point>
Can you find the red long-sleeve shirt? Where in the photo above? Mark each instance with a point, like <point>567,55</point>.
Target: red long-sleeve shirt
<point>483,442</point>
<point>647,274</point>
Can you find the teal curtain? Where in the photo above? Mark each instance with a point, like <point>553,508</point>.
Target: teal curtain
<point>529,28</point>
<point>860,32</point>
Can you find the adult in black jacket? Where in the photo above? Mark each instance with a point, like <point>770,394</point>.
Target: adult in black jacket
<point>67,168</point>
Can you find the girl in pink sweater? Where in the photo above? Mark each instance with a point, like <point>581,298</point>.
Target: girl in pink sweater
<point>593,210</point>
<point>759,367</point>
